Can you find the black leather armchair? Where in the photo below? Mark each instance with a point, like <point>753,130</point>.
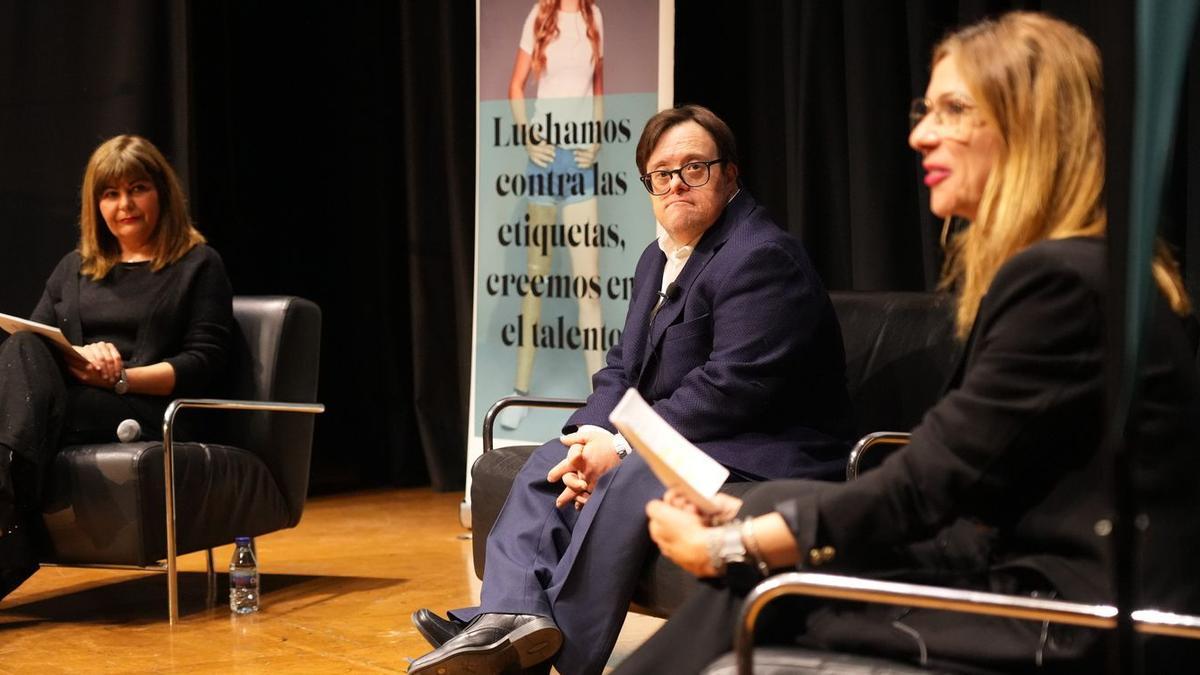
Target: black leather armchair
<point>121,504</point>
<point>894,342</point>
<point>746,659</point>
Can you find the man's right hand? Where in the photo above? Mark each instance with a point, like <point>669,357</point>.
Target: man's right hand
<point>590,455</point>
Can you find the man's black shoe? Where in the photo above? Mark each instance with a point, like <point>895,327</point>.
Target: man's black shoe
<point>434,628</point>
<point>493,643</point>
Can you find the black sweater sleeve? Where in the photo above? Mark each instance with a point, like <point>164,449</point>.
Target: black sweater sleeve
<point>207,326</point>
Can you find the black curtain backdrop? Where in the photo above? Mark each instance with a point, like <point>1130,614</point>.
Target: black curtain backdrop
<point>335,154</point>
<point>71,75</point>
<point>329,149</point>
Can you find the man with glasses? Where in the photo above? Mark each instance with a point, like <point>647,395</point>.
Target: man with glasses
<point>732,339</point>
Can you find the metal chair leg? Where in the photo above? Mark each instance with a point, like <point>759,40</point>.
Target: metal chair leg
<point>169,500</point>
<point>169,471</point>
<point>211,598</point>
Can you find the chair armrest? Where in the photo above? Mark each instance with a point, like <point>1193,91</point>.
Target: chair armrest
<point>228,404</point>
<point>179,404</point>
<point>871,440</point>
<point>951,599</point>
<point>489,420</point>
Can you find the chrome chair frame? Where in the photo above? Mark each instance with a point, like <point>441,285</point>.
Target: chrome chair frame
<point>866,443</point>
<point>169,481</point>
<point>170,566</point>
<point>489,419</point>
<point>1147,621</point>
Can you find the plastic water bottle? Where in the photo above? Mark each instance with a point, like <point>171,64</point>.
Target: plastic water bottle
<point>243,578</point>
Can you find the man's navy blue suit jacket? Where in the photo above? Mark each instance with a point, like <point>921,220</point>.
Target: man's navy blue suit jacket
<point>745,360</point>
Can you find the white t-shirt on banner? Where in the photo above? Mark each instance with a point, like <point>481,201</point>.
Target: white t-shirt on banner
<point>564,87</point>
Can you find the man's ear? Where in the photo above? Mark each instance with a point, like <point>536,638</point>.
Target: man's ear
<point>732,170</point>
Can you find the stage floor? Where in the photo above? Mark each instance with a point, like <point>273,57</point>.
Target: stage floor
<point>337,592</point>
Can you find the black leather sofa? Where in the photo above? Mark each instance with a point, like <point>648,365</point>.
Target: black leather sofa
<point>900,350</point>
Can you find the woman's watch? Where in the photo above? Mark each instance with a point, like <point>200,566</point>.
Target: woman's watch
<point>122,385</point>
<point>725,545</point>
<point>727,554</point>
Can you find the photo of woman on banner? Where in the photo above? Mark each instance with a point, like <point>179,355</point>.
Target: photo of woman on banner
<point>562,49</point>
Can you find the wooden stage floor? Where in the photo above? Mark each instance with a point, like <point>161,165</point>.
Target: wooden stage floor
<point>337,594</point>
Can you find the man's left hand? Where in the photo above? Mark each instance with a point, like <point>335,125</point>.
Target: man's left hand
<point>590,455</point>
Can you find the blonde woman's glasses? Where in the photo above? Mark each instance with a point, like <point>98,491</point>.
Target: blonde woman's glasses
<point>949,113</point>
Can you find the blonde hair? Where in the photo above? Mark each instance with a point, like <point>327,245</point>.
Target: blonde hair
<point>128,158</point>
<point>545,29</point>
<point>1038,80</point>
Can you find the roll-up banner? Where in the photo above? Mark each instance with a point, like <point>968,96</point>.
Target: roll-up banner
<point>564,88</point>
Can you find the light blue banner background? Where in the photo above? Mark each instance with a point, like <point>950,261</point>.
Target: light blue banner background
<point>556,372</point>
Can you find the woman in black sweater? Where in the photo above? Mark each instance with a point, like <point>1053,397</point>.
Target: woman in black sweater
<point>149,305</point>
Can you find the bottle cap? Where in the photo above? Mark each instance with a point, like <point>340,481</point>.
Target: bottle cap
<point>241,541</point>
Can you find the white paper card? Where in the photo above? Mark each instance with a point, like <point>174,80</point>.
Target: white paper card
<point>15,324</point>
<point>676,462</point>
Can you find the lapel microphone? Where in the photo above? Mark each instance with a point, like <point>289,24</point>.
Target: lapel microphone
<point>129,431</point>
<point>664,296</point>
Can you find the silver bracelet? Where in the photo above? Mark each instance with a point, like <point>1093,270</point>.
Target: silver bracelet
<point>752,549</point>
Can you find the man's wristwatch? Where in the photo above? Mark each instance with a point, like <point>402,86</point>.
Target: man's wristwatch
<point>122,385</point>
<point>621,446</point>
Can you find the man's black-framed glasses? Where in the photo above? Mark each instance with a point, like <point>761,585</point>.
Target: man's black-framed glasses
<point>693,174</point>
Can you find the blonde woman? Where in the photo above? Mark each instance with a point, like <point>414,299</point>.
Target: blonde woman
<point>562,50</point>
<point>150,308</point>
<point>1005,485</point>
